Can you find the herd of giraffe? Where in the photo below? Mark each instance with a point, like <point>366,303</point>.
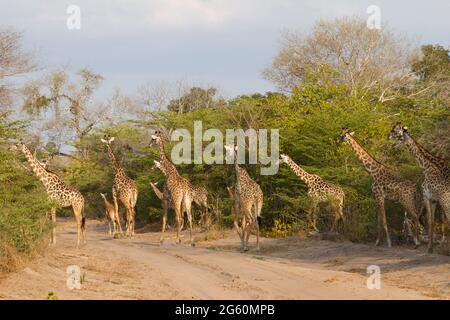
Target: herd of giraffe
<point>179,193</point>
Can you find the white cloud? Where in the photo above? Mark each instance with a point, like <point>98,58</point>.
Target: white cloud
<point>185,13</point>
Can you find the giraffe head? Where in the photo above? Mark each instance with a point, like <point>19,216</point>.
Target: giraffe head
<point>398,133</point>
<point>156,138</point>
<point>103,195</point>
<point>284,158</point>
<point>18,146</point>
<point>159,166</point>
<point>231,149</point>
<point>107,139</point>
<point>345,134</point>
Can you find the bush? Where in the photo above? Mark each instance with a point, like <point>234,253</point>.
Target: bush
<point>23,207</point>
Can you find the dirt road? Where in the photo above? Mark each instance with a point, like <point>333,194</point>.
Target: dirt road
<point>141,268</point>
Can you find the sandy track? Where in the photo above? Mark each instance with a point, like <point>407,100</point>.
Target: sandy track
<point>140,268</point>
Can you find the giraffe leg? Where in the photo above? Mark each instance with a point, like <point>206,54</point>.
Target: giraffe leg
<point>116,226</point>
<point>165,205</point>
<point>416,231</point>
<point>190,229</point>
<point>243,224</point>
<point>109,227</point>
<point>445,214</point>
<point>130,221</point>
<point>239,231</point>
<point>430,215</point>
<point>385,227</point>
<point>257,233</point>
<point>53,220</point>
<point>248,232</point>
<point>78,233</point>
<point>247,235</point>
<point>132,217</point>
<point>380,207</point>
<point>133,220</point>
<point>179,219</point>
<point>443,238</point>
<point>177,208</point>
<point>312,216</point>
<point>119,225</point>
<point>416,221</point>
<point>188,209</point>
<point>337,216</point>
<point>116,209</point>
<point>411,210</point>
<point>78,213</point>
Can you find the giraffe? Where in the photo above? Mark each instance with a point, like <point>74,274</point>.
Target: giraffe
<point>319,191</point>
<point>180,189</point>
<point>180,195</point>
<point>200,198</point>
<point>111,216</point>
<point>248,201</point>
<point>123,188</point>
<point>386,186</point>
<point>58,191</point>
<point>232,193</point>
<point>166,203</point>
<point>436,185</point>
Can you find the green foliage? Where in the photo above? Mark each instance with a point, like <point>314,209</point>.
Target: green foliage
<point>309,120</point>
<point>280,229</point>
<point>435,60</point>
<point>51,296</point>
<point>23,203</point>
<point>196,98</point>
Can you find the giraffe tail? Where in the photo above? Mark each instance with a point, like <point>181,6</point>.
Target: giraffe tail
<point>258,219</point>
<point>83,220</point>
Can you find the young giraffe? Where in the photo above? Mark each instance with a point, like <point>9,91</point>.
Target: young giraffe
<point>166,203</point>
<point>58,191</point>
<point>123,188</point>
<point>248,201</point>
<point>200,198</point>
<point>111,216</point>
<point>319,191</point>
<point>386,186</point>
<point>436,185</point>
<point>180,189</point>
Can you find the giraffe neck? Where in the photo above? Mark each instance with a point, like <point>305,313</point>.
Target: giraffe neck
<point>158,192</point>
<point>422,157</point>
<point>302,174</point>
<point>370,164</point>
<point>107,203</point>
<point>118,170</point>
<point>36,166</point>
<point>164,160</point>
<point>241,175</point>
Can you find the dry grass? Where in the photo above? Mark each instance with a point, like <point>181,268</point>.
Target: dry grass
<point>12,260</point>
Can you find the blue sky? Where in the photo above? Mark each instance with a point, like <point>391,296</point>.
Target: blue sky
<point>225,43</point>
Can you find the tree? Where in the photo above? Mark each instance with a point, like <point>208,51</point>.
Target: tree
<point>14,61</point>
<point>364,59</point>
<point>68,105</point>
<point>433,70</point>
<point>196,98</point>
